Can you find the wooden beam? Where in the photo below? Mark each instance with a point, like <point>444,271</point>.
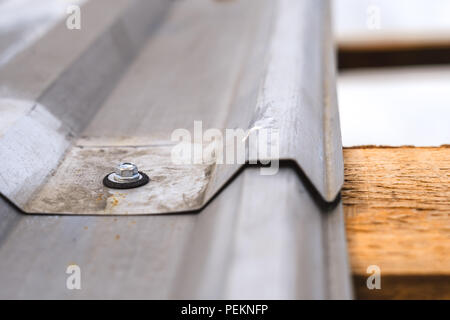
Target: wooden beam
<point>397,207</point>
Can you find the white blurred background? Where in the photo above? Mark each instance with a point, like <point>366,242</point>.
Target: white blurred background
<point>394,106</point>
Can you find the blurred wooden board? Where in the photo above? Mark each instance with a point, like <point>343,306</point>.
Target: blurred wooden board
<point>397,208</point>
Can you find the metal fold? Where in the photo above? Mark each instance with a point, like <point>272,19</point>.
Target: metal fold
<point>271,67</point>
<point>77,103</point>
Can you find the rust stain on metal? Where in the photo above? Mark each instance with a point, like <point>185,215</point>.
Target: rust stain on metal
<point>76,186</point>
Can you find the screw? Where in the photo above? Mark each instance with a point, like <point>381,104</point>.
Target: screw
<point>125,176</point>
<point>126,172</point>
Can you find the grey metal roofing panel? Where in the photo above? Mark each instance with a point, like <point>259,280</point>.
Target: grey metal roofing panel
<point>263,237</point>
<point>232,64</point>
<point>255,71</point>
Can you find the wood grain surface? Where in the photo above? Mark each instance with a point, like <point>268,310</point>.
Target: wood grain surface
<point>397,207</point>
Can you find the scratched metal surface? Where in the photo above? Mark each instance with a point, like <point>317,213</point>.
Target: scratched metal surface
<point>144,76</point>
<point>260,237</point>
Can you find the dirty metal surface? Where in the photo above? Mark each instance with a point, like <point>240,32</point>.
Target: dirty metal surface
<point>136,82</point>
<point>261,237</point>
<point>84,167</point>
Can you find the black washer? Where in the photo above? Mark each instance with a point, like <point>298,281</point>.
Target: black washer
<point>126,185</point>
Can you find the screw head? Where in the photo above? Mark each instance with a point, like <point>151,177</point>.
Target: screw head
<point>126,170</point>
<point>125,176</point>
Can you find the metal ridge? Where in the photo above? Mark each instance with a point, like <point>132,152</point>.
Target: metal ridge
<point>281,81</point>
<point>249,64</point>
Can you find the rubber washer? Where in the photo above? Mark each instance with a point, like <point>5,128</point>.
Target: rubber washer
<point>126,185</point>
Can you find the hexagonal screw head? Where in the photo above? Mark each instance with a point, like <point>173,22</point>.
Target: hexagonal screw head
<point>126,170</point>
<point>125,176</point>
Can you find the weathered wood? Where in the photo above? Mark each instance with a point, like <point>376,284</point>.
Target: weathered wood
<point>397,207</point>
<point>429,287</point>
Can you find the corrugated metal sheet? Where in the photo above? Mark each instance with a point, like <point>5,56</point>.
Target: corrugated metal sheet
<point>230,64</point>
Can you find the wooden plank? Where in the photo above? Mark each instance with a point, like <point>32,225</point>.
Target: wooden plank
<point>397,207</point>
